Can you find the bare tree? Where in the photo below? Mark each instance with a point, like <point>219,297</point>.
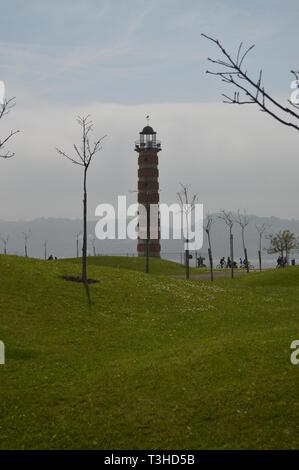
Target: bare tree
<point>207,228</point>
<point>187,203</point>
<point>26,236</point>
<point>261,229</point>
<point>243,221</point>
<point>83,158</point>
<point>233,72</point>
<point>4,239</point>
<point>5,107</point>
<point>228,219</point>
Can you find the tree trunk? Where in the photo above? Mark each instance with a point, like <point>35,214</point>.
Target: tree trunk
<point>84,246</point>
<point>187,245</point>
<point>210,258</point>
<point>211,264</point>
<point>260,252</point>
<point>287,256</point>
<point>282,257</point>
<point>245,250</point>
<point>260,260</point>
<point>187,262</point>
<point>246,259</point>
<point>232,254</point>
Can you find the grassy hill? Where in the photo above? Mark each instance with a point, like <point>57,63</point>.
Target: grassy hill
<point>148,361</point>
<point>135,263</point>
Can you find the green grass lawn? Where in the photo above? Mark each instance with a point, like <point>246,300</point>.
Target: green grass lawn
<point>150,361</point>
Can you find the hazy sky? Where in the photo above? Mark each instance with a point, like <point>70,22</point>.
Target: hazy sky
<point>121,60</point>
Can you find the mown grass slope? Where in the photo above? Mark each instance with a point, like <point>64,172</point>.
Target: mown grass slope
<point>135,263</point>
<point>149,361</point>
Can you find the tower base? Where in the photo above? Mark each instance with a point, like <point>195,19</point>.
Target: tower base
<point>154,248</point>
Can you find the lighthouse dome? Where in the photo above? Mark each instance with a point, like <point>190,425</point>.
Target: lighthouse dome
<point>147,130</point>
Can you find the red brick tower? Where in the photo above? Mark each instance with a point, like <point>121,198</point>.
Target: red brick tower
<point>148,187</point>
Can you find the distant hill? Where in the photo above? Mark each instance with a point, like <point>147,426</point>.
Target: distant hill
<point>61,237</point>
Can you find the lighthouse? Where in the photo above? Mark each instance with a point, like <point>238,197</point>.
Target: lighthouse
<point>148,148</point>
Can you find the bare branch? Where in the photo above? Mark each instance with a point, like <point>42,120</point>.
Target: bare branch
<point>4,239</point>
<point>78,153</point>
<point>209,223</point>
<point>254,91</point>
<point>84,157</point>
<point>241,219</point>
<point>27,235</point>
<point>5,108</point>
<point>244,55</point>
<point>63,154</point>
<point>186,201</point>
<point>263,228</point>
<point>227,218</point>
<point>8,154</point>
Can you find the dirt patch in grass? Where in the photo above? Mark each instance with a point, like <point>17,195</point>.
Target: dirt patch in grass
<point>79,279</point>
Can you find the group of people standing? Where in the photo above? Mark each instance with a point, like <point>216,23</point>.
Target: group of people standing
<point>281,262</point>
<point>51,257</point>
<point>228,263</point>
